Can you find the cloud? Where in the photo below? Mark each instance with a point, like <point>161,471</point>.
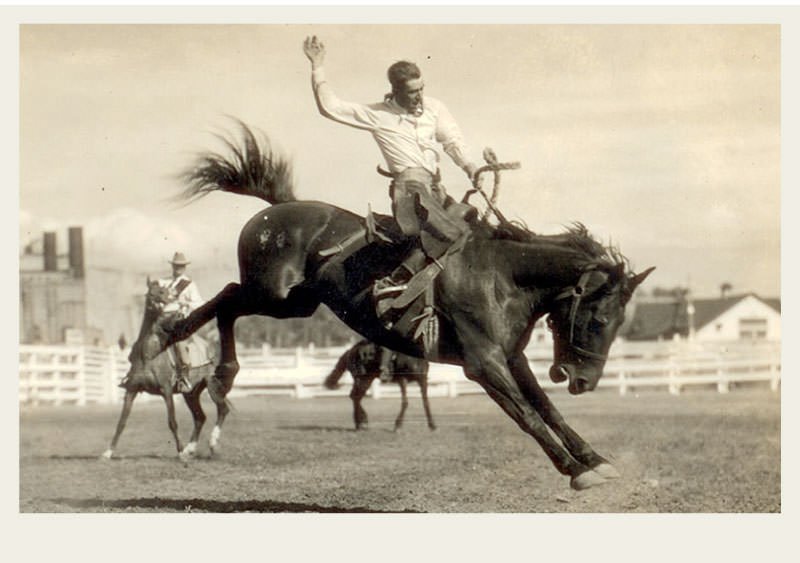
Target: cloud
<point>125,239</point>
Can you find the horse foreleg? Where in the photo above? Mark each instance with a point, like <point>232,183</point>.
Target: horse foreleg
<point>401,381</point>
<point>423,390</point>
<point>171,422</point>
<point>577,446</point>
<point>198,416</point>
<point>123,419</point>
<point>486,365</point>
<point>360,386</point>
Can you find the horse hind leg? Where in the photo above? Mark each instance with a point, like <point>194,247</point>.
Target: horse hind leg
<point>123,419</point>
<point>171,421</point>
<point>398,423</point>
<point>360,386</point>
<point>423,390</point>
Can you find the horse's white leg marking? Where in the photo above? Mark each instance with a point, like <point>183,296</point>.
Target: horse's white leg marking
<point>213,442</point>
<point>188,451</point>
<point>107,454</point>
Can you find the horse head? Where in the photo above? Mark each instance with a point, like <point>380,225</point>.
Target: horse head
<point>147,344</point>
<point>584,320</point>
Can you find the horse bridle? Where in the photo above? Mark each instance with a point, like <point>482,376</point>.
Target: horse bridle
<point>577,292</point>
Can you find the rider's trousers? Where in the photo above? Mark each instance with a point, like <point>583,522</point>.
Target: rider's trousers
<point>418,207</point>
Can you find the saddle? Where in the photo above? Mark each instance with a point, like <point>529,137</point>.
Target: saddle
<point>410,309</point>
<point>199,354</point>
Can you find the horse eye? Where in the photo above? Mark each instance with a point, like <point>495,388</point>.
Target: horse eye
<point>601,319</point>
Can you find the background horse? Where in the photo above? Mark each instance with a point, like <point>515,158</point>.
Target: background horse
<point>488,296</point>
<point>363,362</point>
<point>157,375</point>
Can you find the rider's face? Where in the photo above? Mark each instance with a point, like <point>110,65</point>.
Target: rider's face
<point>409,96</point>
<point>178,269</point>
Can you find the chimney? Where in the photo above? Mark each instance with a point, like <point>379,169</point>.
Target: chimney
<point>76,252</point>
<point>50,262</point>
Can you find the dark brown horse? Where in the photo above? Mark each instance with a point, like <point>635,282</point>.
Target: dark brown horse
<point>154,372</point>
<point>363,361</point>
<point>487,298</point>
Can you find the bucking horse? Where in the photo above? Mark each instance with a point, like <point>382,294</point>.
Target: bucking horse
<point>486,298</point>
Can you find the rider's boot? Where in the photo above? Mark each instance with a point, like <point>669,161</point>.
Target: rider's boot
<point>183,386</point>
<point>395,282</point>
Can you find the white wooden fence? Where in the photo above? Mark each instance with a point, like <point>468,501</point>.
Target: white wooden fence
<point>64,375</point>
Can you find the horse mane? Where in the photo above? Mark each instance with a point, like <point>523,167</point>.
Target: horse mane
<point>576,237</point>
<point>252,169</point>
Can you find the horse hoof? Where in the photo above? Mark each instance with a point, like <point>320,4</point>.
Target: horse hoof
<point>585,480</point>
<point>432,427</point>
<point>188,452</point>
<point>607,471</point>
<point>107,454</point>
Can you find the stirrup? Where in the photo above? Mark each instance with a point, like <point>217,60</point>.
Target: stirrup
<point>387,286</point>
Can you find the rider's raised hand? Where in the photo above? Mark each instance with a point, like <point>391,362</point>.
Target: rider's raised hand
<point>314,50</point>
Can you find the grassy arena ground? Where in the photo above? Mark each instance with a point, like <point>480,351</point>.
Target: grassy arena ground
<point>698,452</point>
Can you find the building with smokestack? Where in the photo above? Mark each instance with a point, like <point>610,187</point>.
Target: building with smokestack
<point>52,288</point>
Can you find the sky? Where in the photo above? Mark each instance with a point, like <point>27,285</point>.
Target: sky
<point>664,140</point>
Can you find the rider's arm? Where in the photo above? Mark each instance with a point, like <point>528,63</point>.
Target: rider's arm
<point>329,104</point>
<point>449,134</point>
<point>190,298</point>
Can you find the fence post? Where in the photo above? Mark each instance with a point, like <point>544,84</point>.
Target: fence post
<point>376,388</point>
<point>623,386</point>
<point>672,378</point>
<point>301,391</point>
<point>723,385</point>
<point>775,377</point>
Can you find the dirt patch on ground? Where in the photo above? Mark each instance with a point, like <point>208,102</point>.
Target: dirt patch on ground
<point>698,452</point>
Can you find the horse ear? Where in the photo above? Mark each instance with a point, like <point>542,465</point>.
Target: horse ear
<point>148,280</point>
<point>639,278</point>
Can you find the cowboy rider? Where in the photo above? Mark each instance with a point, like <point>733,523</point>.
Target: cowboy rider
<point>407,127</point>
<point>184,297</point>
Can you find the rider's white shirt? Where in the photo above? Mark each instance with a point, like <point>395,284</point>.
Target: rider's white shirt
<point>405,140</point>
<point>187,301</point>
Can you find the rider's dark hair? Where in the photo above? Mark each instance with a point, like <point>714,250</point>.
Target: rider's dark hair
<point>401,72</point>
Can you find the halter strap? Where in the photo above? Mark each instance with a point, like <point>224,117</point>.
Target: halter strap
<point>577,292</point>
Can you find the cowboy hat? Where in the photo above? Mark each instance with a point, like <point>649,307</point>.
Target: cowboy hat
<point>179,259</point>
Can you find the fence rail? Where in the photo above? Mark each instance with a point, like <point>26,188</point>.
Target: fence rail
<point>81,375</point>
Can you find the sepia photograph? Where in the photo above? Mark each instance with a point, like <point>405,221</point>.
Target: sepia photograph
<point>399,264</point>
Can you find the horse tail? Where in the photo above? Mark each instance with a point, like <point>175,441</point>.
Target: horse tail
<point>332,381</point>
<point>252,168</point>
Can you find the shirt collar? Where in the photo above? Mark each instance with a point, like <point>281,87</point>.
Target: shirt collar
<point>397,108</point>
